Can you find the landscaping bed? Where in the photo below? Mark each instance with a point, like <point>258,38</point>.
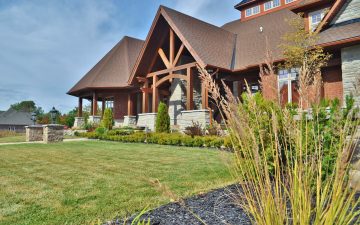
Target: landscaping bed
<point>213,208</point>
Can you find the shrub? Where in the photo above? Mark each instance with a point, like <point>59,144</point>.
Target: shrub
<point>100,130</point>
<point>120,132</point>
<point>108,119</point>
<point>162,119</point>
<point>194,130</point>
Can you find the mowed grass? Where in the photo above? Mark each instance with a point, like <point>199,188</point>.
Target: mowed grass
<point>78,182</point>
<point>12,139</point>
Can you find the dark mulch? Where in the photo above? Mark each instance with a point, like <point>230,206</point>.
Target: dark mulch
<point>213,208</point>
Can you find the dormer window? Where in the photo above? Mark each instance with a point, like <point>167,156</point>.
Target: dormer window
<point>252,11</point>
<point>271,4</point>
<point>315,18</point>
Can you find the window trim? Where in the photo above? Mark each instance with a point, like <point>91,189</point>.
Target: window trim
<point>271,5</point>
<point>313,26</point>
<point>252,11</point>
<point>289,79</point>
<point>289,1</point>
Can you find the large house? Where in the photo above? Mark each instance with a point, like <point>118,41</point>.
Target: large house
<point>135,75</point>
<point>13,120</point>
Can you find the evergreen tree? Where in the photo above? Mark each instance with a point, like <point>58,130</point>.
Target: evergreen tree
<point>108,120</point>
<point>162,119</point>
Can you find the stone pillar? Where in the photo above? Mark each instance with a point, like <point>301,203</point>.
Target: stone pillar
<point>53,133</point>
<point>147,120</point>
<point>79,122</point>
<point>189,116</point>
<point>94,119</point>
<point>34,133</point>
<point>350,65</point>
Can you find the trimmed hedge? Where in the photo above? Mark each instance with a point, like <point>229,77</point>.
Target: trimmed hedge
<point>175,139</point>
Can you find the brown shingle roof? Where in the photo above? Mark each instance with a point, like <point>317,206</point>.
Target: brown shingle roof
<point>114,69</point>
<point>339,33</point>
<point>251,43</point>
<point>213,45</point>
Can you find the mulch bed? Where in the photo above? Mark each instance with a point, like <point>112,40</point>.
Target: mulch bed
<point>213,208</point>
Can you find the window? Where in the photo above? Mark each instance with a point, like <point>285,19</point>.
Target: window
<point>254,88</point>
<point>252,11</point>
<point>288,1</point>
<point>288,86</point>
<point>271,4</point>
<point>315,18</point>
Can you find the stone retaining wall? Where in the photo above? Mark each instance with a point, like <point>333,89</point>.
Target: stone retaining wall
<point>147,120</point>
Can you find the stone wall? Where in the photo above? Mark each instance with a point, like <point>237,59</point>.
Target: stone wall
<point>34,133</point>
<point>129,121</point>
<point>147,120</point>
<point>176,100</point>
<point>79,122</point>
<point>94,119</point>
<point>53,133</point>
<point>188,117</point>
<point>350,58</point>
<point>350,11</point>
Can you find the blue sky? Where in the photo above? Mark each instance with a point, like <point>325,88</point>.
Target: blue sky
<point>46,46</point>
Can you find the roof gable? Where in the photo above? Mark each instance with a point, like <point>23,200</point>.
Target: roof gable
<point>14,117</point>
<point>208,44</point>
<point>114,69</point>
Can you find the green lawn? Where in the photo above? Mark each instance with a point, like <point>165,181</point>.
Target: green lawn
<point>11,139</point>
<point>77,182</point>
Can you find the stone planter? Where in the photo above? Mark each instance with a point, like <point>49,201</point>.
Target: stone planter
<point>129,121</point>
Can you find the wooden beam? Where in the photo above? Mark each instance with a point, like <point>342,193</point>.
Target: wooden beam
<point>95,105</point>
<point>155,95</point>
<point>141,79</point>
<point>172,47</point>
<point>150,90</point>
<point>170,77</point>
<point>80,107</point>
<point>145,99</point>
<point>103,107</point>
<point>164,58</point>
<point>181,49</point>
<point>130,105</point>
<point>189,90</point>
<point>171,70</point>
<point>204,96</point>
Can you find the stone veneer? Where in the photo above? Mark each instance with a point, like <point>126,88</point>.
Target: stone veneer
<point>350,11</point>
<point>129,121</point>
<point>79,122</point>
<point>147,120</point>
<point>34,133</point>
<point>350,58</point>
<point>188,117</point>
<point>94,119</point>
<point>53,133</point>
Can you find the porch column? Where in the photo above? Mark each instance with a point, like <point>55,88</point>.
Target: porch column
<point>130,105</point>
<point>145,98</point>
<point>155,96</point>
<point>92,107</point>
<point>80,108</point>
<point>103,106</point>
<point>204,96</point>
<point>190,90</point>
<point>94,104</point>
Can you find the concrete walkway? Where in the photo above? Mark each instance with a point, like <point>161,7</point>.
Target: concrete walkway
<point>41,142</point>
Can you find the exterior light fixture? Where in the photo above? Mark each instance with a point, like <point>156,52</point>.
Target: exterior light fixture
<point>33,117</point>
<point>261,29</point>
<point>53,113</point>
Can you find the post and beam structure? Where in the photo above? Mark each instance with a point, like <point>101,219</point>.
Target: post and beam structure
<point>189,89</point>
<point>145,98</point>
<point>103,106</point>
<point>130,105</point>
<point>155,95</point>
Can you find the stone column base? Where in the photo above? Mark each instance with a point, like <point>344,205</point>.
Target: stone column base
<point>79,122</point>
<point>34,133</point>
<point>147,120</point>
<point>94,119</point>
<point>53,133</point>
<point>129,121</point>
<point>189,116</point>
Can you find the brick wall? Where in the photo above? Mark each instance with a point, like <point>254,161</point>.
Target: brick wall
<point>332,81</point>
<point>120,105</point>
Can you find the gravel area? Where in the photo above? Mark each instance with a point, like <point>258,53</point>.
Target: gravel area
<point>213,208</point>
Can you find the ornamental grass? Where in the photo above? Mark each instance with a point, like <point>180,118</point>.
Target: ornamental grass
<point>292,168</point>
